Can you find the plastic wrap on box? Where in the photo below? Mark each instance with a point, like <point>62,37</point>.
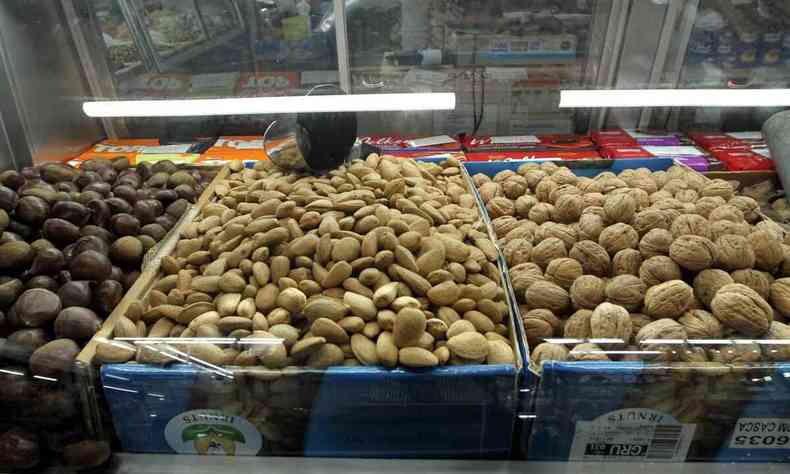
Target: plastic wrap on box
<point>342,411</point>
<point>411,147</point>
<point>529,143</point>
<point>198,408</point>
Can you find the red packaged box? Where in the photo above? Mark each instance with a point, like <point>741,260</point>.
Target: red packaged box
<point>549,142</point>
<point>738,160</point>
<point>743,141</point>
<point>411,147</point>
<point>613,138</point>
<point>532,155</point>
<point>624,152</point>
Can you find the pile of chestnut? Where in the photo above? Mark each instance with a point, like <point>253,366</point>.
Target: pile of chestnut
<point>72,241</point>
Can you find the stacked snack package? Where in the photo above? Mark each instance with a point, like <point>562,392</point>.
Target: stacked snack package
<point>739,151</point>
<point>410,147</point>
<point>552,146</point>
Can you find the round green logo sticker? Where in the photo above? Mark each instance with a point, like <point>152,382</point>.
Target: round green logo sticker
<point>212,432</point>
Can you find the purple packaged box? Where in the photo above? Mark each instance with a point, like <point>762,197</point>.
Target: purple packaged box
<point>654,138</point>
<point>689,155</point>
<point>697,164</point>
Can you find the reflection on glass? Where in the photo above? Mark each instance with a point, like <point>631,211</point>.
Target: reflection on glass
<point>121,50</point>
<point>506,60</point>
<point>218,16</point>
<point>172,24</point>
<point>743,44</point>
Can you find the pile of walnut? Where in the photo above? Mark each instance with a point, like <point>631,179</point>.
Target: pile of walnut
<point>640,256</point>
<point>381,262</point>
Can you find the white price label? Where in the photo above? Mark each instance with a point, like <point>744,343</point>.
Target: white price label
<point>673,150</point>
<point>746,135</point>
<point>637,434</point>
<point>437,140</point>
<point>761,433</point>
<point>513,139</point>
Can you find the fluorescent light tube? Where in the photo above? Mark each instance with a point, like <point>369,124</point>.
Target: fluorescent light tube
<point>675,98</point>
<point>271,105</point>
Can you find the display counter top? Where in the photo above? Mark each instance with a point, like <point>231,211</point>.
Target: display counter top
<point>165,464</point>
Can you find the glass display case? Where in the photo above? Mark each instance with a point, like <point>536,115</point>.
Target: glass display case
<point>490,232</point>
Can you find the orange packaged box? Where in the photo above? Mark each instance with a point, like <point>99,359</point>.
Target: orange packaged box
<point>228,148</point>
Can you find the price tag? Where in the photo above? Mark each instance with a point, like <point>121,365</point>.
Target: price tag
<point>513,139</point>
<point>761,433</point>
<point>438,140</point>
<point>637,434</point>
<point>746,135</point>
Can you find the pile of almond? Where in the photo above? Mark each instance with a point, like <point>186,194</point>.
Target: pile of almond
<point>382,262</point>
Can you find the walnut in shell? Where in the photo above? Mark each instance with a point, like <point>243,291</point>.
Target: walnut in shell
<point>489,191</point>
<point>503,175</point>
<point>693,252</point>
<point>590,227</point>
<point>627,291</point>
<point>690,224</point>
<point>658,269</point>
<point>594,258</point>
<point>503,225</point>
<point>649,219</point>
<point>701,324</point>
<point>771,227</point>
<point>568,208</point>
<point>778,352</point>
<point>526,230</point>
<point>541,212</point>
<point>734,252</point>
<point>656,242</point>
<point>619,207</point>
<point>610,321</point>
<point>544,188</point>
<point>638,321</point>
<point>747,205</point>
<point>563,190</point>
<point>587,292</point>
<point>593,200</point>
<point>523,275</point>
<point>726,213</point>
<point>741,353</point>
<point>534,177</point>
<point>547,295</point>
<point>668,300</point>
<point>617,237</point>
<point>514,186</point>
<point>587,352</point>
<point>563,271</point>
<point>500,206</point>
<point>705,205</point>
<point>547,250</point>
<point>563,232</point>
<point>768,251</point>
<point>537,326</point>
<point>687,195</point>
<point>661,329</point>
<point>780,296</point>
<point>755,279</point>
<point>718,187</point>
<point>708,282</point>
<point>517,251</point>
<point>741,308</point>
<point>626,262</point>
<point>547,351</point>
<point>721,228</point>
<point>524,204</point>
<point>577,326</point>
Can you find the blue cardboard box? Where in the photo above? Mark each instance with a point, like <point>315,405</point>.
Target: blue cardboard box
<point>444,412</point>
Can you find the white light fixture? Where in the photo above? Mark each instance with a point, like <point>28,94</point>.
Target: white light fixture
<point>675,98</point>
<point>271,105</point>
